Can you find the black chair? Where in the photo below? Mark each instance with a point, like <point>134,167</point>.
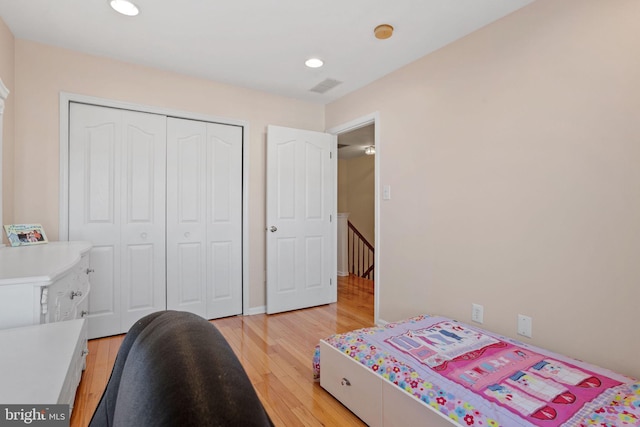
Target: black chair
<point>176,369</point>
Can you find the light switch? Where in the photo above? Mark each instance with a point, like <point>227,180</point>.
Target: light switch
<point>386,192</point>
<point>477,313</point>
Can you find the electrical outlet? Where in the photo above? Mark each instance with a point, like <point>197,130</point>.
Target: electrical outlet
<point>524,325</point>
<point>477,313</point>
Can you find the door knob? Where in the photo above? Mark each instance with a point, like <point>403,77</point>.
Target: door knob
<point>273,228</point>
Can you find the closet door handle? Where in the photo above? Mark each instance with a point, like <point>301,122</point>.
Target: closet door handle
<point>273,229</point>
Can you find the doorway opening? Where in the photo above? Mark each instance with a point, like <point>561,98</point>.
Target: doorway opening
<point>357,204</point>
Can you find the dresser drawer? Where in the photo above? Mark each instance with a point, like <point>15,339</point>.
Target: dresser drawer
<point>59,301</point>
<point>74,373</point>
<point>82,308</point>
<point>67,293</point>
<point>81,287</point>
<point>82,271</point>
<point>352,384</point>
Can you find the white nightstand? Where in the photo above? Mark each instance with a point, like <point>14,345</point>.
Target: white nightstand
<point>42,364</point>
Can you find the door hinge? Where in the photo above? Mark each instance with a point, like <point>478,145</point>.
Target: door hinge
<point>330,154</point>
<point>330,282</point>
<point>330,218</point>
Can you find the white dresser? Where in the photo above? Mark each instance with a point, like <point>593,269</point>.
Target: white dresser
<point>42,364</point>
<point>43,283</point>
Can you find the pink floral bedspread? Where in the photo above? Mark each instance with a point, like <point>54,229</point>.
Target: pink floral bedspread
<point>481,379</point>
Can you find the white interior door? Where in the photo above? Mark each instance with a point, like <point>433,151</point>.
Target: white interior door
<point>301,255</point>
<point>224,220</point>
<point>94,207</point>
<point>142,213</point>
<point>204,218</point>
<point>186,215</point>
<point>116,201</point>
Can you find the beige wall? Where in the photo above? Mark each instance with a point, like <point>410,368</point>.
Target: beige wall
<point>7,72</point>
<point>513,156</point>
<point>42,72</point>
<point>356,188</point>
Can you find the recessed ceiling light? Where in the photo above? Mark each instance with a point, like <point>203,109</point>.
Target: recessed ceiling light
<point>314,63</point>
<point>124,7</point>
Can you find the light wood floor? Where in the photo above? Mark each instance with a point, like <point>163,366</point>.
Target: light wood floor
<point>276,352</point>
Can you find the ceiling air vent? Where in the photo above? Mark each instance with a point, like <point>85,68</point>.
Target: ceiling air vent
<point>325,85</point>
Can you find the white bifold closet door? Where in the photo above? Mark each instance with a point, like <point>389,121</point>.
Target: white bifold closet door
<point>117,202</point>
<point>160,198</point>
<point>204,218</point>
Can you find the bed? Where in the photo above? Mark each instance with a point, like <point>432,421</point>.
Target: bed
<point>435,371</point>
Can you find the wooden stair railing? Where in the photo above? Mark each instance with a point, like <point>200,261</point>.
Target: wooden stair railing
<point>361,253</point>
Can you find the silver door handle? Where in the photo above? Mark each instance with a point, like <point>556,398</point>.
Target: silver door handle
<point>273,228</point>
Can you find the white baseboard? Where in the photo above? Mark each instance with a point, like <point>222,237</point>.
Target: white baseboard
<point>256,310</point>
<point>382,322</point>
<point>343,273</point>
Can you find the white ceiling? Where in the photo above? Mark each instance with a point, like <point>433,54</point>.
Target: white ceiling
<point>259,44</point>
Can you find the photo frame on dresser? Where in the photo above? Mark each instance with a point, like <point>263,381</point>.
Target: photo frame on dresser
<point>25,234</point>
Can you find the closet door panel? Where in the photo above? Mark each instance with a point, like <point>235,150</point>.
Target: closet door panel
<point>140,257</point>
<point>143,215</point>
<point>94,205</point>
<point>99,167</point>
<point>117,202</point>
<point>186,215</point>
<point>224,220</point>
<point>221,271</point>
<point>189,271</point>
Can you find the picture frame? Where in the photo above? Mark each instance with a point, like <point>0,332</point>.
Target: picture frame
<point>25,234</point>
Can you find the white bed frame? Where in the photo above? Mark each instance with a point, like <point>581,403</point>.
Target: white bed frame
<point>373,398</point>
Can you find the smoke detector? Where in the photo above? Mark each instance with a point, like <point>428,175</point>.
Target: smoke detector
<point>383,31</point>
